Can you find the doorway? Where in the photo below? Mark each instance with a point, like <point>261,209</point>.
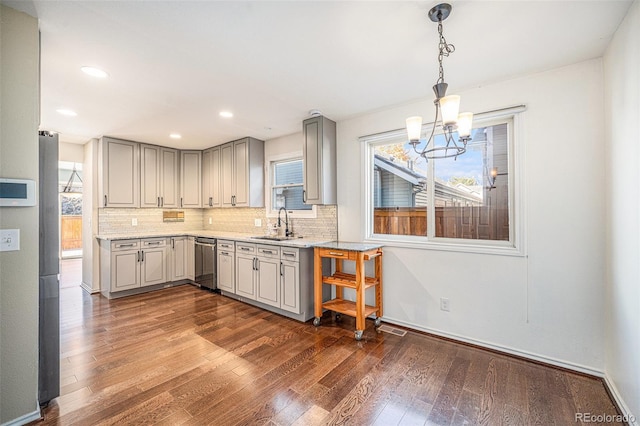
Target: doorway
<point>70,192</point>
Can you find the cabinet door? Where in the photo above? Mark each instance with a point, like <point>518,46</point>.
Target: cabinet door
<point>268,281</point>
<point>190,179</point>
<point>120,173</point>
<point>206,179</point>
<point>216,199</point>
<point>226,271</point>
<point>169,178</point>
<point>153,266</point>
<point>312,155</point>
<point>241,173</point>
<point>125,270</point>
<point>245,276</point>
<point>149,176</point>
<point>178,258</point>
<point>290,286</point>
<point>226,169</point>
<point>191,258</point>
<point>211,177</point>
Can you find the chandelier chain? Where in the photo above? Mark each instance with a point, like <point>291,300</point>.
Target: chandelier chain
<point>444,49</point>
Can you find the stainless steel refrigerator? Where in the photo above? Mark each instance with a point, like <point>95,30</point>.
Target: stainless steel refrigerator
<point>49,335</point>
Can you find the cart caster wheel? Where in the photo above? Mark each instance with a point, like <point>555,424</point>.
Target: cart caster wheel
<point>377,322</point>
<point>338,317</point>
<point>358,335</point>
<point>316,321</point>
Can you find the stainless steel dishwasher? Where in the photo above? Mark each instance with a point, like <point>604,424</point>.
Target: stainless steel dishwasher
<point>206,263</point>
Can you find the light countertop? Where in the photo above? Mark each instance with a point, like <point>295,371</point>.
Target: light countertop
<point>236,236</point>
<point>348,246</point>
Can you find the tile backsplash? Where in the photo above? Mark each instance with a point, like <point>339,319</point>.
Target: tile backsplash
<point>325,225</point>
<point>119,221</point>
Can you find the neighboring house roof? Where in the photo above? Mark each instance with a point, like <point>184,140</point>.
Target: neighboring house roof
<point>411,176</point>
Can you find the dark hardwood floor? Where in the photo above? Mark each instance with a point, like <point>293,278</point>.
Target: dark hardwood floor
<point>186,356</point>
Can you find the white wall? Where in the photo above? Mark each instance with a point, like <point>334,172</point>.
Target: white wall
<point>90,263</point>
<point>549,304</point>
<point>71,152</point>
<point>622,96</point>
<point>19,269</point>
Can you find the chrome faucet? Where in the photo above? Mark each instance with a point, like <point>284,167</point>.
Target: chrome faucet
<point>286,222</point>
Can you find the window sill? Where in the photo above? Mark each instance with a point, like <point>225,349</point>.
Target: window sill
<point>476,247</point>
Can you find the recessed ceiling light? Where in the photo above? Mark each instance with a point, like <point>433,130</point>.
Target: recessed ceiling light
<point>226,114</point>
<point>94,72</point>
<point>67,112</point>
<point>175,136</point>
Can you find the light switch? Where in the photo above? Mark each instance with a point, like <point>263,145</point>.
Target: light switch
<point>257,222</point>
<point>9,239</point>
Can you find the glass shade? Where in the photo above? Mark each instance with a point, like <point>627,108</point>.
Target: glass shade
<point>449,107</point>
<point>414,128</point>
<point>465,121</point>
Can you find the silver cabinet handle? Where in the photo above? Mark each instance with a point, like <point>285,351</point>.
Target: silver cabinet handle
<point>245,248</point>
<point>142,256</point>
<point>336,254</point>
<point>304,195</point>
<point>162,201</point>
<point>281,267</point>
<point>158,201</point>
<point>284,253</point>
<point>138,256</point>
<point>125,245</point>
<point>267,251</point>
<point>181,204</point>
<point>173,243</point>
<point>154,243</point>
<point>210,201</point>
<point>224,253</point>
<point>105,201</point>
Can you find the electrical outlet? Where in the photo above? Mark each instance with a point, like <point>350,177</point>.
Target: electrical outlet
<point>257,222</point>
<point>134,221</point>
<point>210,221</point>
<point>444,304</point>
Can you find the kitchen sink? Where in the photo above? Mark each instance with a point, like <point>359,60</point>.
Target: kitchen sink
<point>264,237</point>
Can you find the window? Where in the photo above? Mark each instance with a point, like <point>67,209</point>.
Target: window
<point>286,187</point>
<point>457,204</point>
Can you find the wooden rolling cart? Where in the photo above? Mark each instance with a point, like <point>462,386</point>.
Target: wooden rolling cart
<point>359,253</point>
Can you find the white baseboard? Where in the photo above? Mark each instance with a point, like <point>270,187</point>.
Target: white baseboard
<point>626,413</point>
<point>23,420</point>
<point>500,348</point>
<point>86,287</point>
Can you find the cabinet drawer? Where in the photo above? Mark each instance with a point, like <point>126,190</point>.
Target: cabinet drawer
<point>226,245</point>
<point>245,248</point>
<point>290,254</point>
<point>338,254</point>
<point>125,245</point>
<point>156,242</point>
<point>272,252</point>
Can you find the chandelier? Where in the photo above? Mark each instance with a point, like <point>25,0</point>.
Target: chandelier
<point>447,107</point>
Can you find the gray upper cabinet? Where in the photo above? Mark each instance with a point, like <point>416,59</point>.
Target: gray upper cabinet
<point>242,173</point>
<point>169,177</point>
<point>158,176</point>
<point>190,179</point>
<point>119,173</point>
<point>211,174</point>
<point>319,152</point>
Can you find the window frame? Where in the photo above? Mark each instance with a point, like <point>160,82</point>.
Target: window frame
<point>269,185</point>
<point>516,148</point>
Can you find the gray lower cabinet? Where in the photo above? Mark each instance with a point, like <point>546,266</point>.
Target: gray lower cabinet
<point>245,270</point>
<point>132,264</point>
<point>191,258</point>
<point>268,275</point>
<point>290,280</point>
<point>226,266</point>
<point>178,259</point>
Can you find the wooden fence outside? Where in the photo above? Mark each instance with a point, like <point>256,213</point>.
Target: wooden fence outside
<point>71,232</point>
<point>467,222</point>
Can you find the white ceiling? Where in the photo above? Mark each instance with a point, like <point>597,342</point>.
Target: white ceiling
<point>174,65</point>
